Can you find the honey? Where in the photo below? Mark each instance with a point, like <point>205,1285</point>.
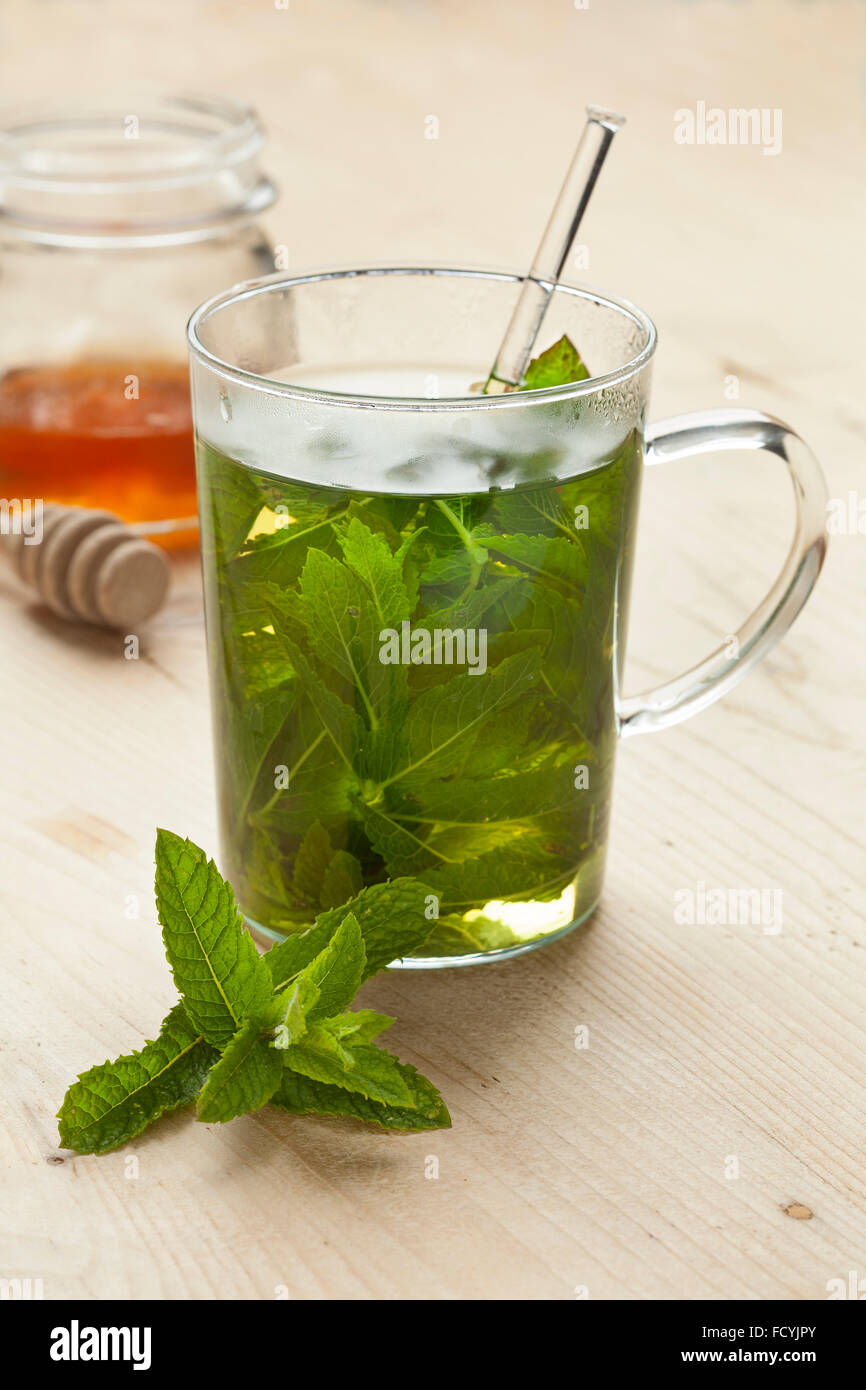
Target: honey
<point>101,434</point>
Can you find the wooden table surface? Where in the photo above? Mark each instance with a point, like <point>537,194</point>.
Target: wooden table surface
<point>709,1143</point>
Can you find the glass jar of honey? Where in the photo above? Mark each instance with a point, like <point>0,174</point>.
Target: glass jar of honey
<point>114,225</point>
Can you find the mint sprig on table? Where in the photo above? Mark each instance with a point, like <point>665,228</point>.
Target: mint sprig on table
<point>253,1030</point>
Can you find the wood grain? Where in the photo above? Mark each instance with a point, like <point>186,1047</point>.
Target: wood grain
<point>604,1168</point>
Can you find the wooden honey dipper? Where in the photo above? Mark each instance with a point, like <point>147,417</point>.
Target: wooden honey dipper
<point>90,565</point>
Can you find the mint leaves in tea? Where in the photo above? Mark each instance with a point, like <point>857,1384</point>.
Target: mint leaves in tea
<point>415,682</point>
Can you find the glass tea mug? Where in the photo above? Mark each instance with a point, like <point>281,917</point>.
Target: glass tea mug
<point>114,224</point>
<point>417,598</point>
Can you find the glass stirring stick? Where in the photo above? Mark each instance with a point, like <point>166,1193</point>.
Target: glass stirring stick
<point>529,311</point>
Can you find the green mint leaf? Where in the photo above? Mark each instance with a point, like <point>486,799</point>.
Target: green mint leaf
<point>362,1067</point>
<point>323,876</point>
<point>550,559</point>
<point>288,958</point>
<point>248,1072</point>
<point>557,366</point>
<point>476,609</point>
<point>338,970</point>
<point>300,1095</point>
<point>113,1102</point>
<point>311,861</point>
<point>276,559</point>
<point>319,790</point>
<point>234,502</point>
<point>252,728</point>
<point>330,594</point>
<point>342,880</point>
<point>323,1040</point>
<point>404,851</point>
<point>389,515</point>
<point>338,719</point>
<point>359,1025</point>
<point>503,873</point>
<point>445,721</point>
<point>295,508</point>
<point>536,511</point>
<point>381,572</point>
<point>214,961</point>
<point>286,1015</point>
<point>393,921</point>
<point>260,875</point>
<point>515,740</point>
<point>511,799</point>
<point>381,601</point>
<point>244,1030</point>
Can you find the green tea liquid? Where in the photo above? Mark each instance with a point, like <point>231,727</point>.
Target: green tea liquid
<point>410,682</point>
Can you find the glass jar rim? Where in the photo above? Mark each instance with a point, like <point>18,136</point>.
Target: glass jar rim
<point>98,168</point>
<point>271,386</point>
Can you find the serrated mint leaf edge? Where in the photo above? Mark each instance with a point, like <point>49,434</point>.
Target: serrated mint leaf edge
<point>327,1100</point>
<point>169,849</point>
<point>71,1133</point>
<point>246,1050</point>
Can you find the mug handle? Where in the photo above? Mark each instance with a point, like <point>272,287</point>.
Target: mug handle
<point>705,432</point>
